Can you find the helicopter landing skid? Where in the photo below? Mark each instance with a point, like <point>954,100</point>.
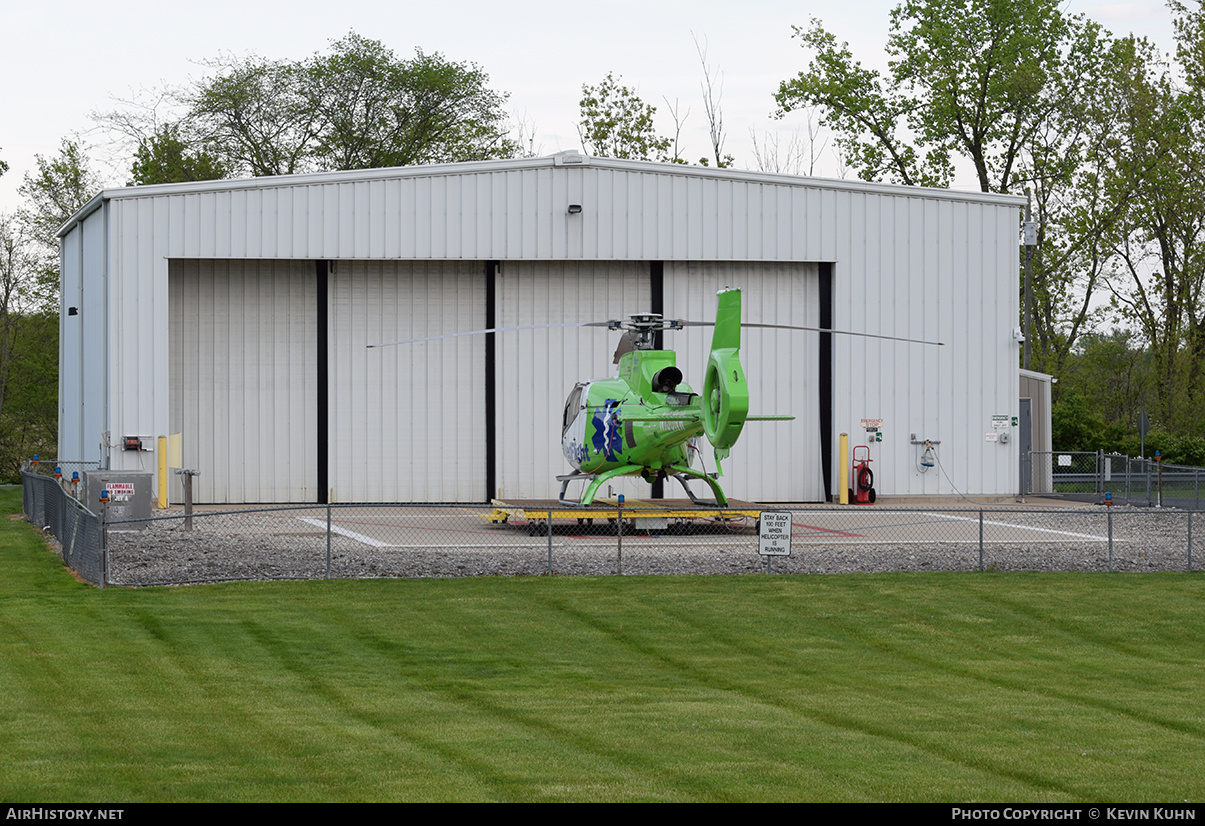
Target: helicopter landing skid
<point>679,472</point>
<point>683,475</point>
<point>597,480</point>
<point>576,476</point>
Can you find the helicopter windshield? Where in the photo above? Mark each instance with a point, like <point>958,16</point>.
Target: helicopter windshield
<point>573,406</point>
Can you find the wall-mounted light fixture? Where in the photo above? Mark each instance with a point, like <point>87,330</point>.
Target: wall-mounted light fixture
<point>575,209</point>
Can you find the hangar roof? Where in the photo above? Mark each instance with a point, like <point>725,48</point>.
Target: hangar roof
<point>568,159</point>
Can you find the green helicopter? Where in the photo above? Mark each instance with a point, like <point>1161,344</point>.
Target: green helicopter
<point>647,421</point>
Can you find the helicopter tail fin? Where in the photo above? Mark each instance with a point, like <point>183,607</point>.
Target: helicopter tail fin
<point>725,393</point>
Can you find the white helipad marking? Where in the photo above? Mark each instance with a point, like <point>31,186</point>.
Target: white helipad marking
<point>1020,527</point>
<point>359,537</point>
<point>375,543</point>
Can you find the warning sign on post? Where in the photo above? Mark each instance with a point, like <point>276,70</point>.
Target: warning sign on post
<point>775,538</point>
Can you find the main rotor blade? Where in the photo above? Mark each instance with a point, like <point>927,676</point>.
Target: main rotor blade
<point>817,330</point>
<point>680,322</point>
<point>493,330</point>
<point>845,333</point>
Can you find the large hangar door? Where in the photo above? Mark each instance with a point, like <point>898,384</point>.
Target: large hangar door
<point>243,380</point>
<point>536,369</point>
<point>407,423</point>
<point>773,461</point>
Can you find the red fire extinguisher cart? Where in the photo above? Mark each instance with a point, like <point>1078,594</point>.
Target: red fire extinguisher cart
<point>863,491</point>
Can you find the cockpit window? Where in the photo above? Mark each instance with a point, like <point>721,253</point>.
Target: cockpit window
<point>572,408</point>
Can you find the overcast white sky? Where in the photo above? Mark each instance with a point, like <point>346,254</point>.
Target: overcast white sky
<point>60,62</point>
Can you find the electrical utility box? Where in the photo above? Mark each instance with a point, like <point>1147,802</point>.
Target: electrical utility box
<point>129,495</point>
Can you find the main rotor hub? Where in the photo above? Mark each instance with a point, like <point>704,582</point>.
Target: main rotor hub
<point>642,327</point>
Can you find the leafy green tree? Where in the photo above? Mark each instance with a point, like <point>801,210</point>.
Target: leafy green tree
<point>1073,426</point>
<point>1159,249</point>
<point>58,188</point>
<point>1017,89</point>
<point>358,106</point>
<point>373,109</point>
<point>165,158</point>
<point>1068,165</point>
<point>1112,374</point>
<point>29,415</point>
<point>974,78</point>
<point>259,111</point>
<point>866,112</point>
<point>28,354</point>
<point>616,123</point>
<point>29,298</point>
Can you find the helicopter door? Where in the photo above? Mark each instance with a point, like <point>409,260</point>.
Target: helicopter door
<point>573,426</point>
<point>573,406</point>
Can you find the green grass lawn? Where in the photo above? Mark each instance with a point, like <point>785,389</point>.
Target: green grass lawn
<point>1019,687</point>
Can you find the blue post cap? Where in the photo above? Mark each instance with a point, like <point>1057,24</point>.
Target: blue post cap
<point>1108,496</point>
<point>104,495</point>
<point>75,475</point>
<point>1156,456</point>
<point>621,500</point>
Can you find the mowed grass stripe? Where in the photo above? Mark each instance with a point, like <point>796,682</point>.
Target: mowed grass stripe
<point>885,687</point>
<point>720,672</point>
<point>912,702</point>
<point>818,708</point>
<point>945,706</point>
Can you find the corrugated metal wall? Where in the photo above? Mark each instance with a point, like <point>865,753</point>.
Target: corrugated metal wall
<point>638,214</point>
<point>83,368</point>
<point>407,422</point>
<point>931,270</point>
<point>1036,386</point>
<point>243,380</point>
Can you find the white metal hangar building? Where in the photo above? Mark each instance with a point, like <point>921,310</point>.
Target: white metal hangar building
<point>237,313</point>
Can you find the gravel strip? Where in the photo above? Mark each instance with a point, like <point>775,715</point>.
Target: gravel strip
<point>452,542</point>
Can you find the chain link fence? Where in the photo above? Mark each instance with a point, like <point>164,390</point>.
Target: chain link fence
<point>347,541</point>
<point>357,541</point>
<point>79,532</point>
<point>1088,477</point>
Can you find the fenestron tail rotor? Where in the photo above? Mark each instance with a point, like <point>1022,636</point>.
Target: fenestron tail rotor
<point>725,392</point>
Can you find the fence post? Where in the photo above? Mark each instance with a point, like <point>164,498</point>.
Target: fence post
<point>104,545</point>
<point>186,477</point>
<point>619,525</point>
<point>1190,540</point>
<point>550,541</point>
<point>981,539</point>
<point>328,540</point>
<point>1109,513</point>
<point>1100,471</point>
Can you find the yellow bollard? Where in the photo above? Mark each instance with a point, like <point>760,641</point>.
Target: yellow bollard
<point>162,472</point>
<point>843,459</point>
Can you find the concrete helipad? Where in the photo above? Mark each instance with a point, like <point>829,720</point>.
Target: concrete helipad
<point>490,527</point>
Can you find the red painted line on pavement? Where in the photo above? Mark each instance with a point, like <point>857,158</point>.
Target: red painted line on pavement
<point>825,530</point>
